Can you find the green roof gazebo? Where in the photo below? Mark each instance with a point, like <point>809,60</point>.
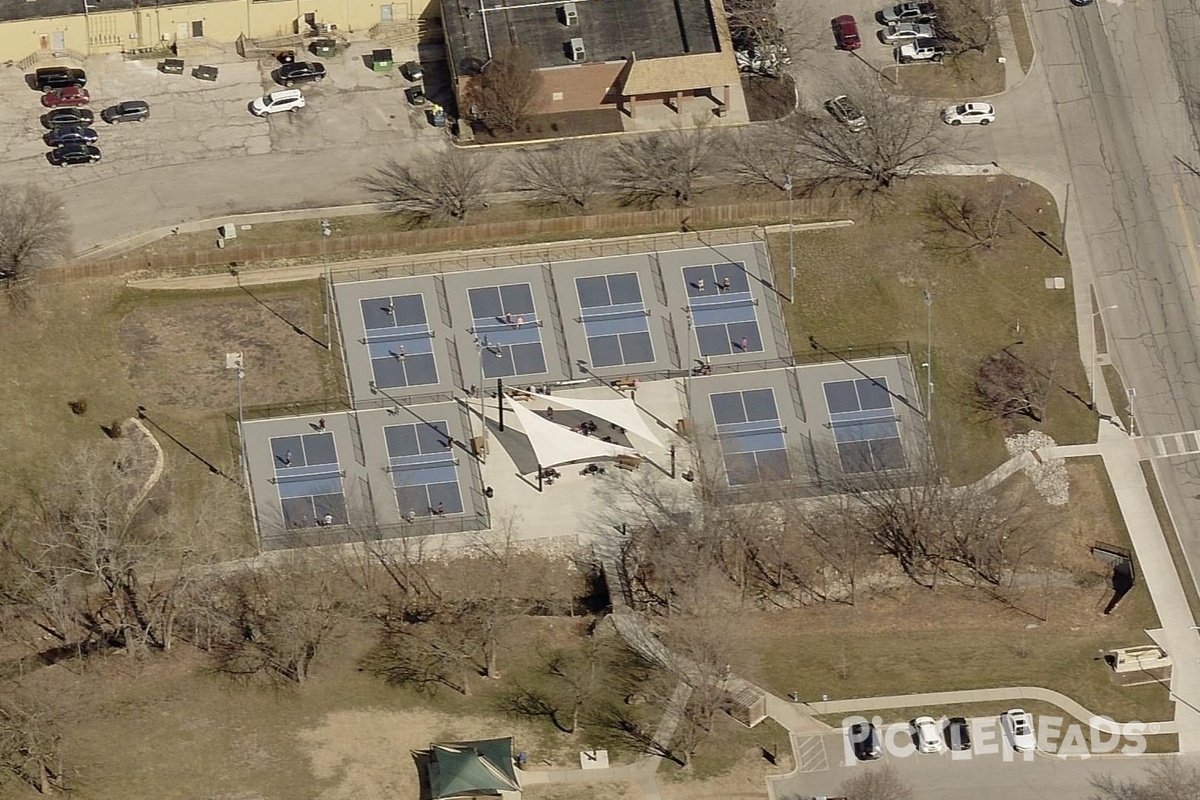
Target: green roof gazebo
<point>472,769</point>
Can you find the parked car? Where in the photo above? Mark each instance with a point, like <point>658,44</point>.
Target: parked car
<point>60,136</point>
<point>865,740</point>
<point>68,118</point>
<point>969,114</point>
<point>845,33</point>
<point>930,50</point>
<point>928,737</point>
<point>844,111</point>
<point>126,111</point>
<point>67,96</point>
<point>274,102</point>
<point>48,78</point>
<point>70,154</point>
<point>1081,3</point>
<point>412,71</point>
<point>908,12</point>
<point>905,32</point>
<point>301,72</point>
<point>1018,727</point>
<point>957,733</point>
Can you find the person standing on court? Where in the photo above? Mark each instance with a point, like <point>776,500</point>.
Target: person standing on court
<point>700,284</point>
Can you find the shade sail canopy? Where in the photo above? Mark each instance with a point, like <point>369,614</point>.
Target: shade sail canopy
<point>620,411</point>
<point>470,769</point>
<point>554,444</point>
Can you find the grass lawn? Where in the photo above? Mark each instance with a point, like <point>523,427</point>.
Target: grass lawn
<point>187,733</point>
<point>121,349</point>
<point>1021,35</point>
<point>865,284</point>
<point>1049,633</point>
<point>971,74</point>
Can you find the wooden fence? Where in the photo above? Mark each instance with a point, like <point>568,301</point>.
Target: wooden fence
<point>340,248</point>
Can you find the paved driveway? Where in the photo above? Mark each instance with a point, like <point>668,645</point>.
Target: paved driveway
<point>203,154</point>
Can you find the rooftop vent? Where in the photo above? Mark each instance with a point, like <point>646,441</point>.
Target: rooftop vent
<point>575,50</point>
<point>568,15</point>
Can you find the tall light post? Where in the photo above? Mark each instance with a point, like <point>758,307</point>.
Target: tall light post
<point>481,346</point>
<point>928,356</point>
<point>1096,350</point>
<point>326,232</point>
<point>787,185</point>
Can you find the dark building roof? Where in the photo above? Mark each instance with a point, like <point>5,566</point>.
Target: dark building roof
<point>37,9</point>
<point>610,29</point>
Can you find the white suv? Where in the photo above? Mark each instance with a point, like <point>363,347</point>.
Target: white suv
<point>969,114</point>
<point>281,100</point>
<point>920,50</point>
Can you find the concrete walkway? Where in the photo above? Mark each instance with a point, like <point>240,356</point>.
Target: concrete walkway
<point>1013,75</point>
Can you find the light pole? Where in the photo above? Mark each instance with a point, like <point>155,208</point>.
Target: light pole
<point>928,356</point>
<point>482,345</point>
<point>787,185</point>
<point>326,232</point>
<point>1096,350</point>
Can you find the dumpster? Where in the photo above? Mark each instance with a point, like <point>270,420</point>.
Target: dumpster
<point>437,115</point>
<point>415,95</point>
<point>382,61</point>
<point>171,66</point>
<point>324,46</point>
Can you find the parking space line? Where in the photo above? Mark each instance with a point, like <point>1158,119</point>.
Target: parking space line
<point>810,753</point>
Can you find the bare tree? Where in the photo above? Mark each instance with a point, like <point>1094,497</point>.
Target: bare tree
<point>962,222</point>
<point>448,185</point>
<point>877,784</point>
<point>568,175</point>
<point>425,647</point>
<point>270,622</point>
<point>933,530</point>
<point>967,25</point>
<point>902,136</point>
<point>766,155</point>
<point>505,92</point>
<point>93,564</point>
<point>34,232</point>
<point>30,745</point>
<point>664,166</point>
<point>1168,779</point>
<point>1007,386</point>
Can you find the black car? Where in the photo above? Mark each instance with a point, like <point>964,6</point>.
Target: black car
<point>958,733</point>
<point>70,154</point>
<point>61,136</point>
<point>864,738</point>
<point>127,111</point>
<point>301,72</point>
<point>69,118</point>
<point>48,78</point>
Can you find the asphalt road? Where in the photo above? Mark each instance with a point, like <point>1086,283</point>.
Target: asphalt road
<point>1130,152</point>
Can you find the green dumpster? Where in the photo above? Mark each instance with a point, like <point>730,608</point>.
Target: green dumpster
<point>382,61</point>
<point>324,47</point>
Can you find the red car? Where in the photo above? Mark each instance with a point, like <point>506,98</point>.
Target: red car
<point>845,33</point>
<point>66,96</point>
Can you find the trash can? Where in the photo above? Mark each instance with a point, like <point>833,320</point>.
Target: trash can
<point>382,61</point>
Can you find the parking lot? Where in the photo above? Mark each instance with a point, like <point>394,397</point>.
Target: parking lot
<point>1000,775</point>
<point>202,153</point>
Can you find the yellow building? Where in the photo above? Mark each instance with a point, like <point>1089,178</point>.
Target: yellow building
<point>33,30</point>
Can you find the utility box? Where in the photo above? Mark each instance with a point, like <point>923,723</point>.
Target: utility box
<point>228,231</point>
<point>568,14</point>
<point>576,50</point>
<point>1138,659</point>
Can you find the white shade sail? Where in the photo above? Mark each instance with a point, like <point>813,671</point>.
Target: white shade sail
<point>554,444</point>
<point>620,411</point>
